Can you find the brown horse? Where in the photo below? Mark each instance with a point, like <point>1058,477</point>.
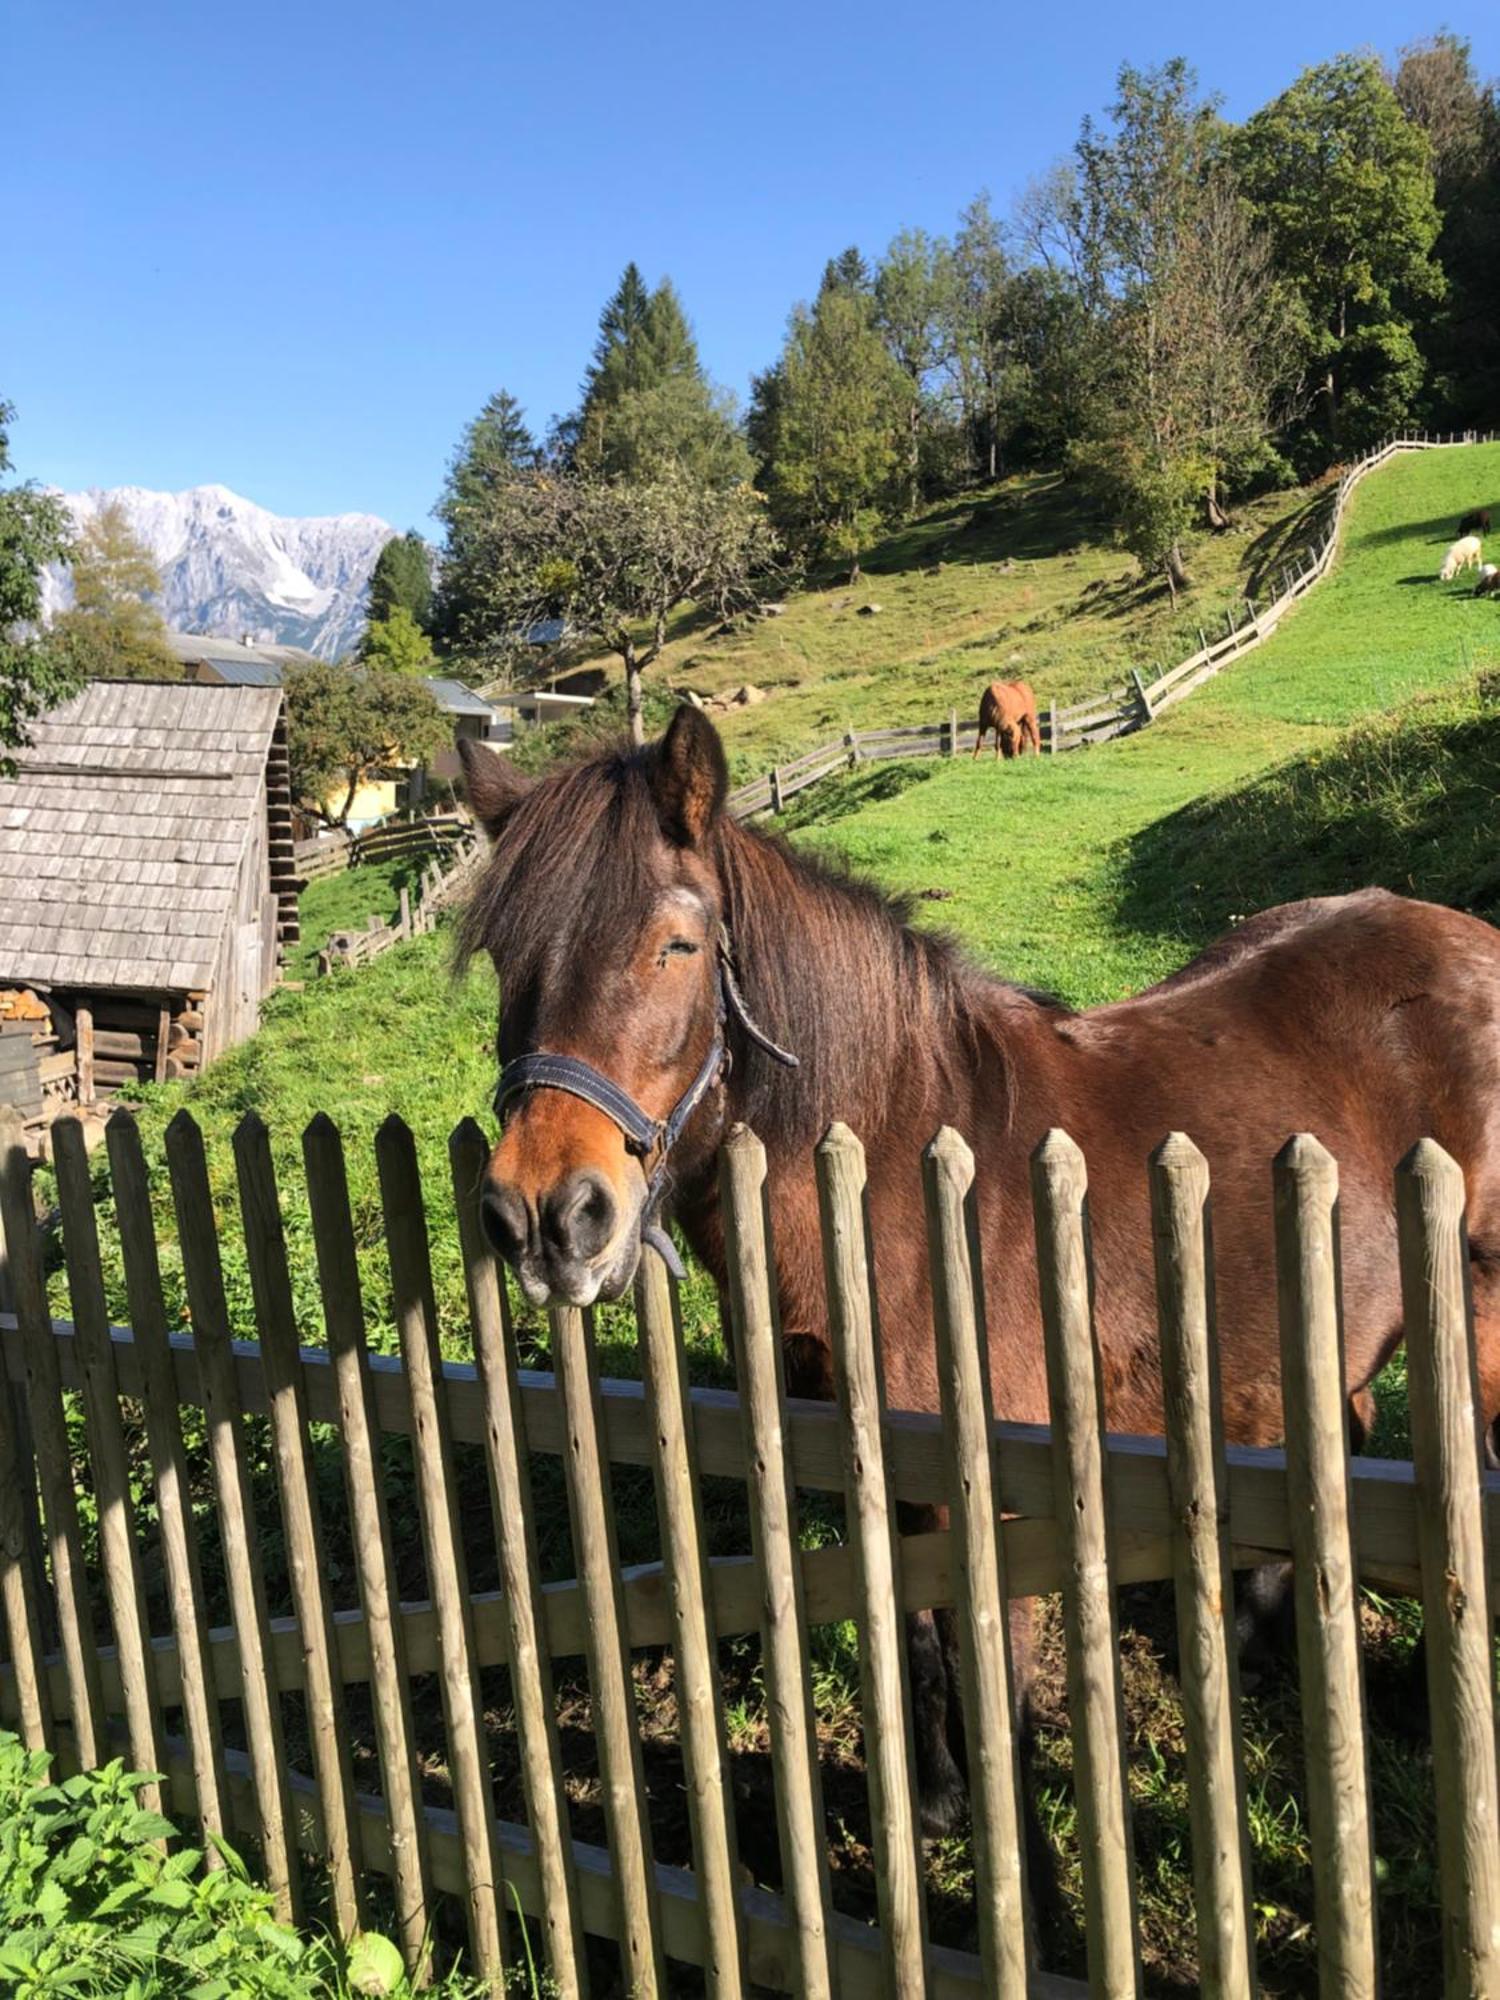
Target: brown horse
<point>1009,708</point>
<point>1367,1019</point>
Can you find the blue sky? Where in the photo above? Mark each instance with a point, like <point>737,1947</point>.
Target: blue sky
<point>292,248</point>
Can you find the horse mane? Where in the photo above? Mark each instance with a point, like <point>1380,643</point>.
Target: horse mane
<point>829,964</point>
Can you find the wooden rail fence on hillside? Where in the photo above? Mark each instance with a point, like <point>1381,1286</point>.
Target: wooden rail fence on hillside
<point>1118,710</point>
<point>1033,1510</point>
<point>332,852</point>
<point>438,889</point>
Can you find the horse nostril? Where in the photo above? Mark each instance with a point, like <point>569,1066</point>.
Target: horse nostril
<point>502,1215</point>
<point>578,1218</point>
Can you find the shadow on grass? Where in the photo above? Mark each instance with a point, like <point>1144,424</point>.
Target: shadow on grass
<point>1408,806</point>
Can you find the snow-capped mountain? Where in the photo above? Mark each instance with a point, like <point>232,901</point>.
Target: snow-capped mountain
<point>232,568</point>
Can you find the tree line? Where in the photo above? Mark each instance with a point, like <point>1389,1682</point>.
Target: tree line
<point>1180,313</point>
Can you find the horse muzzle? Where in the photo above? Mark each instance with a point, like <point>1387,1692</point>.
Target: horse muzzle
<point>572,1245</point>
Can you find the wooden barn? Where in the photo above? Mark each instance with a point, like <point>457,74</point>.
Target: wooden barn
<point>146,887</point>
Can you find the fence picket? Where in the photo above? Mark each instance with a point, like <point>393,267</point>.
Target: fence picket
<point>1202,1574</point>
<point>1457,1626</point>
<point>848,1263</point>
<point>21,1579</point>
<point>344,1321</point>
<point>611,1684</point>
<point>773,1531</point>
<point>174,1504</point>
<point>978,1564</point>
<point>685,1559</point>
<point>520,1575</point>
<point>1059,1183</point>
<point>442,1538</point>
<point>203,1275</point>
<point>1305,1183</point>
<point>276,1318</point>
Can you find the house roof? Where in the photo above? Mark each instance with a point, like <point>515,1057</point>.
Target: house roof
<point>454,698</point>
<point>122,833</point>
<point>235,663</point>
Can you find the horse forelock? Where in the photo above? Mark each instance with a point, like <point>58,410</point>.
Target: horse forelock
<point>573,873</point>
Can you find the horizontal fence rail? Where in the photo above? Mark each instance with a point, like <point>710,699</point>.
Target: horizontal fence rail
<point>1070,1508</point>
<point>1116,711</point>
<point>332,852</point>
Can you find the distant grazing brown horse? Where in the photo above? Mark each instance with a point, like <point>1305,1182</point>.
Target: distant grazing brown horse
<point>1009,708</point>
<point>1367,1019</point>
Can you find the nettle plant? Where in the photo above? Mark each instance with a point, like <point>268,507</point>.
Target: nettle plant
<point>97,1899</point>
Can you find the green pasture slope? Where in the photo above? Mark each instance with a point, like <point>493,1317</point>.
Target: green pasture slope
<point>1098,871</point>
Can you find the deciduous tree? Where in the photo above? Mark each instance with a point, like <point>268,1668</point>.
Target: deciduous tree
<point>398,644</point>
<point>1342,179</point>
<point>830,421</point>
<point>34,531</point>
<point>113,631</point>
<point>347,725</point>
<point>613,557</point>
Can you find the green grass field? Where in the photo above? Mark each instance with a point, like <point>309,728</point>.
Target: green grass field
<point>1361,744</point>
<point>1043,865</point>
<point>1022,581</point>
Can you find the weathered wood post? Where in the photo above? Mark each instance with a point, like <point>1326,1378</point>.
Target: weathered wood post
<point>978,1564</point>
<point>1142,698</point>
<point>953,732</point>
<point>83,1026</point>
<point>1456,1613</point>
<point>1059,1185</point>
<point>1198,1483</point>
<point>1306,1183</point>
<point>1053,745</point>
<point>776,801</point>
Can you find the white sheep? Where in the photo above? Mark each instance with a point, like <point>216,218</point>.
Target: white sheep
<point>1464,554</point>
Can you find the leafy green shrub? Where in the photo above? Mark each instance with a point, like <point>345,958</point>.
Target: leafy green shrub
<point>96,1902</point>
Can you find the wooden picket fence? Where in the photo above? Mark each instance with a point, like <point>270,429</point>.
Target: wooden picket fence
<point>1130,704</point>
<point>1033,1510</point>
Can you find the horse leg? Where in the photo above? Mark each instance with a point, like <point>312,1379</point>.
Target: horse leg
<point>978,742</point>
<point>941,1791</point>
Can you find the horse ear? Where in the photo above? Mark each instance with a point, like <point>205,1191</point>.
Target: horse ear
<point>492,783</point>
<point>691,778</point>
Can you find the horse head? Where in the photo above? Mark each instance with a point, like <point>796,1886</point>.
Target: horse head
<point>601,910</point>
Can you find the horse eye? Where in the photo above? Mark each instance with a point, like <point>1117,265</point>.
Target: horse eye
<point>675,946</point>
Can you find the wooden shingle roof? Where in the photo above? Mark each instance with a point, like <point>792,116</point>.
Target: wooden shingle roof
<point>122,833</point>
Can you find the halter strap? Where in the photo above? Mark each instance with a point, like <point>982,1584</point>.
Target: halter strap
<point>643,1134</point>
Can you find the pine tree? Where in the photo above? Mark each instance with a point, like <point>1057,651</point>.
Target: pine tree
<point>496,446</point>
<point>648,406</point>
<point>402,580</point>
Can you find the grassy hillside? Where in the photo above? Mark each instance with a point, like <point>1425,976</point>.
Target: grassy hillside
<point>1042,865</point>
<point>1023,580</point>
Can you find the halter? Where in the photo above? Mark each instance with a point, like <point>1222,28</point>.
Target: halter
<point>643,1134</point>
